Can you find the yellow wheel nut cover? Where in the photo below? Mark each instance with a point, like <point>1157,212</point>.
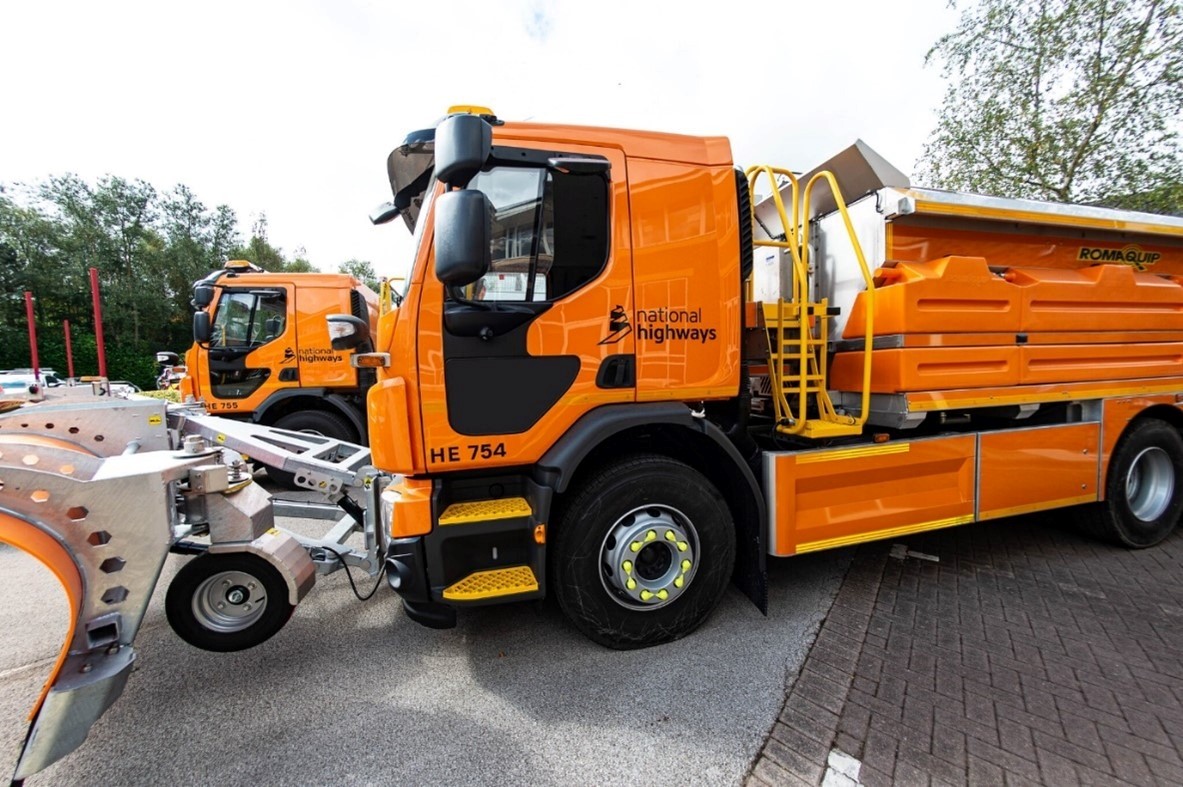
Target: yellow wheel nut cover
<point>631,584</point>
<point>663,594</point>
<point>683,546</point>
<point>646,595</point>
<point>679,582</point>
<point>627,566</point>
<point>669,536</point>
<point>635,546</point>
<point>686,566</point>
<point>652,534</point>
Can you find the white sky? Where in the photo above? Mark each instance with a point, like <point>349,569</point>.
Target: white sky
<point>290,108</point>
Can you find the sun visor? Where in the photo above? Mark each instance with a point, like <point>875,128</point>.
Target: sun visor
<point>409,168</point>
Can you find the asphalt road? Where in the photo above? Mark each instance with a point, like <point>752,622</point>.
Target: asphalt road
<point>353,693</point>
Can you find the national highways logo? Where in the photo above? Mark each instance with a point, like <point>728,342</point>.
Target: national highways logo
<point>659,326</point>
<point>1132,255</point>
<point>618,326</point>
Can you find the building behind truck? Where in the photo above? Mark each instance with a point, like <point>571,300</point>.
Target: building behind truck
<point>262,350</point>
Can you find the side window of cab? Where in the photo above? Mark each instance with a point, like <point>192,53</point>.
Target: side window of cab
<point>549,233</point>
<point>249,318</point>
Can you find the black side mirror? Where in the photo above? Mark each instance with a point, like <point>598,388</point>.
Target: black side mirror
<point>347,331</point>
<point>203,295</point>
<point>201,327</point>
<point>463,144</point>
<point>462,232</point>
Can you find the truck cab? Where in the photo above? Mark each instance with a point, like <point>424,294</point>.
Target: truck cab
<point>575,297</point>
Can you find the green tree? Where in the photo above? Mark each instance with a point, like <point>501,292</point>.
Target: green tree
<point>1066,100</point>
<point>258,250</point>
<point>197,241</point>
<point>363,270</point>
<point>271,258</point>
<point>147,247</point>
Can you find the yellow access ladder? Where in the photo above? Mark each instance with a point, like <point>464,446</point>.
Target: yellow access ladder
<point>798,329</point>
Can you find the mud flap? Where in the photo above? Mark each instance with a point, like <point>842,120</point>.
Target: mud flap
<point>103,527</point>
<point>751,561</point>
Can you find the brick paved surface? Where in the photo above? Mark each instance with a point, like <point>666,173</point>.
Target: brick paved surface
<point>1028,654</point>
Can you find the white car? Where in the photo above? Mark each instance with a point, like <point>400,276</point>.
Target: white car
<point>14,386</point>
<point>48,377</point>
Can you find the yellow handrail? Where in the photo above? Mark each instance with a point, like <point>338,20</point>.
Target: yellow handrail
<point>810,366</point>
<point>868,279</point>
<point>800,283</point>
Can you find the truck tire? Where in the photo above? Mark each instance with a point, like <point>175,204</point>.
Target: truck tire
<point>1144,488</point>
<point>643,552</point>
<point>227,602</point>
<point>318,422</point>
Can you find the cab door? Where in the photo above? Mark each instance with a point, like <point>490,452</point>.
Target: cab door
<point>246,347</point>
<point>511,361</point>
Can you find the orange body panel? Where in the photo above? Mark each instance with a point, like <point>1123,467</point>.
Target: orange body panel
<point>951,294</point>
<point>993,339</point>
<point>934,368</point>
<point>927,401</point>
<point>51,554</point>
<point>412,508</point>
<point>957,294</point>
<point>833,497</point>
<point>1101,298</point>
<point>47,550</point>
<point>960,294</point>
<point>701,151</point>
<point>685,239</point>
<point>1035,469</point>
<point>398,387</point>
<point>1078,363</point>
<point>390,425</point>
<point>1005,247</point>
<point>928,368</point>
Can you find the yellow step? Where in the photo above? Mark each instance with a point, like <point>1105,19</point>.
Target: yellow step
<point>485,510</point>
<point>493,584</point>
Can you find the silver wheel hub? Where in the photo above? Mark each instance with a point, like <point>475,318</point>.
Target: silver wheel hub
<point>649,557</point>
<point>229,601</point>
<point>1150,484</point>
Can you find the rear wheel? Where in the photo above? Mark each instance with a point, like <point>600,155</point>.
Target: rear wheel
<point>317,422</point>
<point>227,602</point>
<point>1144,489</point>
<point>643,552</point>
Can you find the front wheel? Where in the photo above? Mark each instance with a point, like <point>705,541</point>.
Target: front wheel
<point>643,552</point>
<point>227,602</point>
<point>1144,488</point>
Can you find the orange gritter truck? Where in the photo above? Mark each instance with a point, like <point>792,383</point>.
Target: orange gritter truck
<point>262,351</point>
<point>622,372</point>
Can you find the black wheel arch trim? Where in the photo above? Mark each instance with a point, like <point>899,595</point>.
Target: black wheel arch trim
<point>338,402</point>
